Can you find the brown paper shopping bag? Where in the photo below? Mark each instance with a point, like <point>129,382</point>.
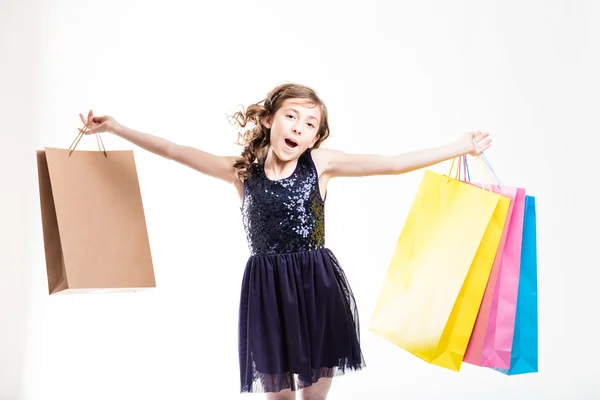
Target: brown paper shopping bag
<point>94,227</point>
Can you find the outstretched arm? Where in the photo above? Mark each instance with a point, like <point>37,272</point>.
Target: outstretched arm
<point>220,167</point>
<point>335,163</point>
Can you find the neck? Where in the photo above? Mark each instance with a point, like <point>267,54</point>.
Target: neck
<point>276,168</point>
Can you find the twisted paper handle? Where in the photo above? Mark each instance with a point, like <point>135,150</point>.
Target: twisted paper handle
<point>82,133</point>
<point>462,172</point>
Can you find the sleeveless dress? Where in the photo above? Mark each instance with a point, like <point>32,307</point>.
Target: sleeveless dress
<point>298,320</point>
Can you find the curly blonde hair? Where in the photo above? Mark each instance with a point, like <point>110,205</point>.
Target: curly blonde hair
<point>255,141</point>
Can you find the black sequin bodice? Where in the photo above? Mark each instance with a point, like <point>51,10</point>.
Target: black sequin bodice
<point>286,215</point>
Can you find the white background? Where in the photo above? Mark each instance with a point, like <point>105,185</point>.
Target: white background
<point>396,76</point>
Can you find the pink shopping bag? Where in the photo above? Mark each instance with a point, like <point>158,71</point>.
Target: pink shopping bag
<point>491,340</point>
<point>501,323</point>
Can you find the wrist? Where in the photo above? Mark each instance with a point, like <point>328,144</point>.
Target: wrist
<point>115,128</point>
<point>457,149</point>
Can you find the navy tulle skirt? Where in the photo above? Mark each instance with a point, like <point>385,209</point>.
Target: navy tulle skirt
<point>298,322</point>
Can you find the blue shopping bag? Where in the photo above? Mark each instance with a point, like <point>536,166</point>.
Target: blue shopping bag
<point>524,356</point>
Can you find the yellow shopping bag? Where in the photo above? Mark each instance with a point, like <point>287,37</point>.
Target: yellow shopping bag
<point>439,269</point>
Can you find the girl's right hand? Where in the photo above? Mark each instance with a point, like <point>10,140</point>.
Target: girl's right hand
<point>101,124</point>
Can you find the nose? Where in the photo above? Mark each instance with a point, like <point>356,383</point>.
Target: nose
<point>296,128</point>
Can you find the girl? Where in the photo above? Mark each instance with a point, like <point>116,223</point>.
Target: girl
<point>298,321</point>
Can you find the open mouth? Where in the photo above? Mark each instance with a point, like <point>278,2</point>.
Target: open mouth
<point>290,143</point>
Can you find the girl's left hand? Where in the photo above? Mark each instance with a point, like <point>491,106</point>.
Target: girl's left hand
<point>475,143</point>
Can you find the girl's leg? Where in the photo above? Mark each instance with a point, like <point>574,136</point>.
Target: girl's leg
<point>285,394</point>
<point>318,390</point>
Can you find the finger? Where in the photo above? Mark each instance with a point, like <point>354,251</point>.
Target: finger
<point>483,146</point>
<point>90,117</point>
<point>484,142</point>
<point>481,137</point>
<point>82,118</point>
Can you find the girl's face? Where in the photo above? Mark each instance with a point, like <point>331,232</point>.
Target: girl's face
<point>294,128</point>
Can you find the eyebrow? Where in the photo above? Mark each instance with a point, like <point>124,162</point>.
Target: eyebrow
<point>294,110</point>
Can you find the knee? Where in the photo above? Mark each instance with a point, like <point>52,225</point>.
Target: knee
<point>318,390</point>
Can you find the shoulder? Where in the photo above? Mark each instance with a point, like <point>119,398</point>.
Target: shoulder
<point>323,158</point>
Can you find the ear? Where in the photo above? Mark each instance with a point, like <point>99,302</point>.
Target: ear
<point>267,122</point>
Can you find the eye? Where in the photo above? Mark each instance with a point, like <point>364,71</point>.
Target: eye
<point>311,125</point>
<point>289,115</point>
